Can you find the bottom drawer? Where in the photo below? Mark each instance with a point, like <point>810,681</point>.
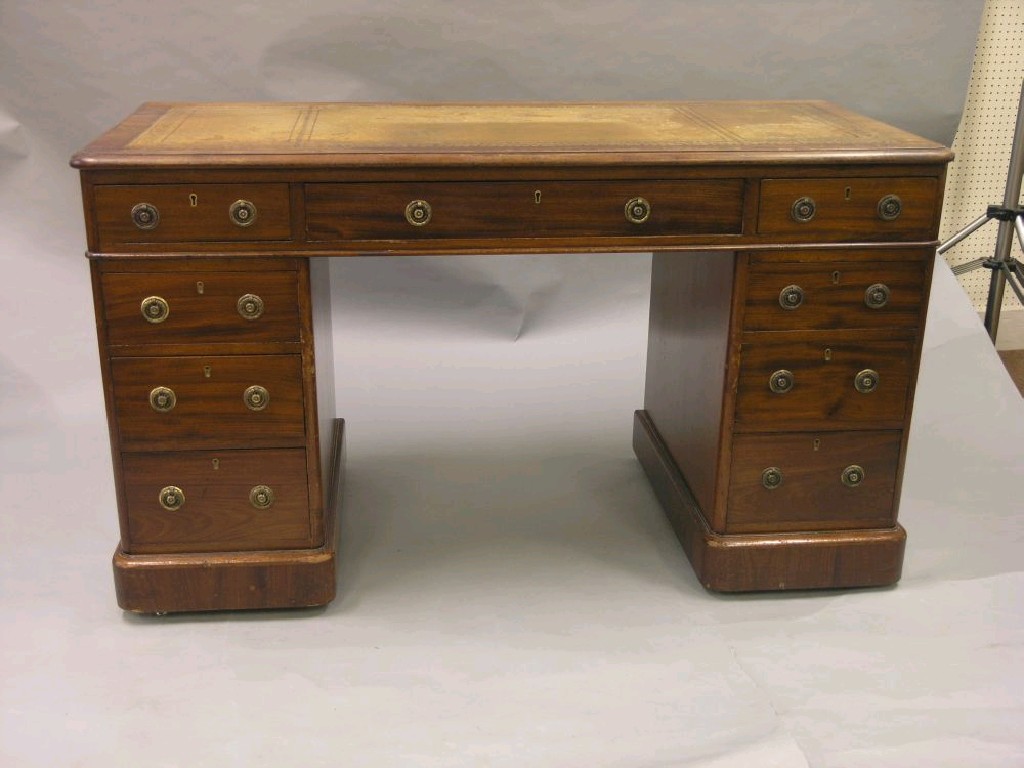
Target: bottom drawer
<point>208,501</point>
<point>813,481</point>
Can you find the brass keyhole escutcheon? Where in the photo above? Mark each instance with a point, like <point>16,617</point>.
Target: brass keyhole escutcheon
<point>536,197</point>
<point>418,213</point>
<point>876,296</point>
<point>866,381</point>
<point>853,476</point>
<point>171,498</point>
<point>261,497</point>
<point>771,478</point>
<point>638,210</point>
<point>162,399</point>
<point>791,297</point>
<point>145,216</point>
<point>155,309</point>
<point>256,398</point>
<point>193,200</point>
<point>250,306</point>
<point>781,381</point>
<point>242,213</point>
<point>803,210</point>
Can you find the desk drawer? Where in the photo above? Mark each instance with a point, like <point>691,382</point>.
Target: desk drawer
<point>813,481</point>
<point>200,307</point>
<point>181,403</point>
<point>827,384</point>
<point>867,209</point>
<point>833,294</point>
<point>216,500</point>
<point>191,213</point>
<point>483,210</point>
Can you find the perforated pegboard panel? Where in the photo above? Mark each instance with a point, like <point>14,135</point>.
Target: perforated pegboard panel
<point>977,177</point>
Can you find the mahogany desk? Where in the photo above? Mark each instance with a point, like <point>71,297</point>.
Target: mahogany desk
<point>793,245</point>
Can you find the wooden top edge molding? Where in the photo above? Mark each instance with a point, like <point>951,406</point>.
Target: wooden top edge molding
<point>279,134</point>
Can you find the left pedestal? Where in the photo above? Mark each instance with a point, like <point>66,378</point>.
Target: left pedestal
<point>221,436</point>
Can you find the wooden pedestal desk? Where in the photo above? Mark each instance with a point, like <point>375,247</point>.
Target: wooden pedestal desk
<point>793,246</point>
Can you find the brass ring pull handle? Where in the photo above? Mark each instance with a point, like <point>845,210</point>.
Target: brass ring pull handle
<point>261,496</point>
<point>256,398</point>
<point>803,209</point>
<point>242,213</point>
<point>155,309</point>
<point>162,399</point>
<point>853,476</point>
<point>866,381</point>
<point>171,498</point>
<point>791,297</point>
<point>145,216</point>
<point>781,381</point>
<point>418,213</point>
<point>638,210</point>
<point>889,208</point>
<point>876,296</point>
<point>771,478</point>
<point>250,306</point>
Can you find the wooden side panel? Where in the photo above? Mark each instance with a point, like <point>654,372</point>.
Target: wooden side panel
<point>687,359</point>
<point>323,343</point>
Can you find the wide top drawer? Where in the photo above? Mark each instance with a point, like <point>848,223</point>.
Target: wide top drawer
<point>544,209</point>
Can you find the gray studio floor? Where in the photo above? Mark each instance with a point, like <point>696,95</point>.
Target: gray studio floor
<point>503,604</point>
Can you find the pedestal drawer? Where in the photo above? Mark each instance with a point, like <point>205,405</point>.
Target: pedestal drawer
<point>828,384</point>
<point>201,307</point>
<point>813,481</point>
<point>182,403</point>
<point>825,295</point>
<point>216,500</point>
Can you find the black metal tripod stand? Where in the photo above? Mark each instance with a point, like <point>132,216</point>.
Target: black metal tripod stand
<point>1010,215</point>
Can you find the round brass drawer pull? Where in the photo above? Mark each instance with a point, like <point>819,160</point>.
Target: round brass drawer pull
<point>866,381</point>
<point>162,399</point>
<point>853,476</point>
<point>250,306</point>
<point>791,297</point>
<point>638,210</point>
<point>261,496</point>
<point>172,498</point>
<point>155,309</point>
<point>781,382</point>
<point>418,213</point>
<point>889,208</point>
<point>145,216</point>
<point>771,478</point>
<point>803,209</point>
<point>242,213</point>
<point>876,296</point>
<point>256,398</point>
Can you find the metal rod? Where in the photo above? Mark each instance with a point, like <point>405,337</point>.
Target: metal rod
<point>1013,279</point>
<point>978,223</point>
<point>1004,240</point>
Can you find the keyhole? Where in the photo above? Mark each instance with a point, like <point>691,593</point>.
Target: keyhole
<point>828,354</point>
<point>207,370</point>
<point>835,277</point>
<point>847,194</point>
<point>200,287</point>
<point>216,463</point>
<point>536,197</point>
<point>193,199</point>
<point>817,444</point>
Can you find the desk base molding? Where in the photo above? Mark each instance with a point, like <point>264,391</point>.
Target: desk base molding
<point>753,563</point>
<point>290,578</point>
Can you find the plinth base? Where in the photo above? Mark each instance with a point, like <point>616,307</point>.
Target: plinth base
<point>219,581</point>
<point>757,562</point>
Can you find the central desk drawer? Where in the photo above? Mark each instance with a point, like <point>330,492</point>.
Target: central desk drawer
<point>543,209</point>
<point>181,403</point>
